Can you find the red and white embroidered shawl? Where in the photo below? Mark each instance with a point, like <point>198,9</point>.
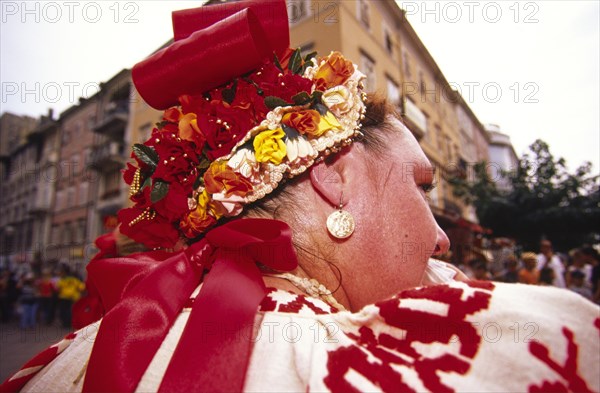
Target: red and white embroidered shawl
<point>479,336</point>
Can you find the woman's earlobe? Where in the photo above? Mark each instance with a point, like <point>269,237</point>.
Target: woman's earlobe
<point>328,182</point>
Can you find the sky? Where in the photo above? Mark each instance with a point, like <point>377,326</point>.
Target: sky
<point>530,67</point>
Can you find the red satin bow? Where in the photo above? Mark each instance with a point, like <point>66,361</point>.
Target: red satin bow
<point>144,295</point>
<point>213,45</point>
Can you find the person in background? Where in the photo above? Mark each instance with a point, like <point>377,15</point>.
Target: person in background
<point>577,284</point>
<point>579,263</point>
<point>69,290</point>
<point>480,270</point>
<point>547,258</point>
<point>28,301</point>
<point>511,270</point>
<point>529,274</point>
<point>46,289</point>
<point>547,277</point>
<point>591,256</point>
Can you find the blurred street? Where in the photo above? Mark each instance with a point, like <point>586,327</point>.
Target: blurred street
<point>18,346</point>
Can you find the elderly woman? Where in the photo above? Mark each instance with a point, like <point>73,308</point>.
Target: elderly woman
<point>287,241</point>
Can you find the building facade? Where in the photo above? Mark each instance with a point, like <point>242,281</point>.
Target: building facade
<point>502,156</point>
<point>27,189</point>
<point>69,241</point>
<point>109,153</point>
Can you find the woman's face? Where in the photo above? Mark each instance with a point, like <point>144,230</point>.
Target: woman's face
<point>395,232</point>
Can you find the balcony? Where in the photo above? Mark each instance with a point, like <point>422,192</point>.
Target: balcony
<point>115,119</point>
<point>415,119</point>
<point>107,156</point>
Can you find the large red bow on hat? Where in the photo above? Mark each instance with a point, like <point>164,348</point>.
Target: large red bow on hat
<point>213,45</point>
<point>143,296</point>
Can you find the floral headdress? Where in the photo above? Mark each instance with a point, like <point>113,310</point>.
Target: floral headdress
<point>229,145</point>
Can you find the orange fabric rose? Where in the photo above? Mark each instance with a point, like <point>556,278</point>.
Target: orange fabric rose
<point>198,220</point>
<point>305,122</point>
<point>221,178</point>
<point>334,72</point>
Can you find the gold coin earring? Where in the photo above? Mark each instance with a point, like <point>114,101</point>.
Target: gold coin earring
<point>340,223</point>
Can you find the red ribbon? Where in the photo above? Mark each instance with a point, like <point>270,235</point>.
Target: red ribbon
<point>144,295</point>
<point>213,45</point>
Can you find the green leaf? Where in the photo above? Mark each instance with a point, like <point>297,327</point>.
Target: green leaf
<point>310,56</point>
<point>290,132</point>
<point>273,102</point>
<point>146,154</point>
<point>204,163</point>
<point>307,61</point>
<point>161,124</point>
<point>317,96</point>
<point>198,182</point>
<point>301,98</point>
<point>146,183</point>
<point>295,64</point>
<point>322,109</point>
<point>159,191</point>
<point>277,63</point>
<point>229,94</point>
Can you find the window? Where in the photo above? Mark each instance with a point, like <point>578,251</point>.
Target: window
<point>112,182</point>
<point>387,40</point>
<point>393,92</point>
<point>83,193</point>
<point>422,84</point>
<point>70,196</point>
<point>55,236</point>
<point>80,231</point>
<point>367,65</point>
<point>66,234</point>
<point>363,13</point>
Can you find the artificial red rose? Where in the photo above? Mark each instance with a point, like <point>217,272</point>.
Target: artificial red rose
<point>177,159</point>
<point>280,84</point>
<point>142,198</point>
<point>175,204</point>
<point>221,178</point>
<point>334,72</point>
<point>129,173</point>
<point>223,126</point>
<point>247,98</point>
<point>153,233</point>
<point>188,130</point>
<point>284,58</point>
<point>172,115</point>
<point>305,122</point>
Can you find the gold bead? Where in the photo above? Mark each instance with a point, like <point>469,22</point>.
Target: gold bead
<point>157,140</point>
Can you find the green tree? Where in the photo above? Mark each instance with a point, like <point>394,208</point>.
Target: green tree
<point>542,199</point>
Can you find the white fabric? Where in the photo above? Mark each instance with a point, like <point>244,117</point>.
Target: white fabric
<point>467,337</point>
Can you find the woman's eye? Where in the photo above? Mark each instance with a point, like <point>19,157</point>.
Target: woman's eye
<point>427,187</point>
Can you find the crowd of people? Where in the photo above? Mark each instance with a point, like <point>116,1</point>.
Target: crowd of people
<point>578,270</point>
<point>34,299</point>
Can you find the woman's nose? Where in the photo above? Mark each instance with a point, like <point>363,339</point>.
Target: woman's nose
<point>442,243</point>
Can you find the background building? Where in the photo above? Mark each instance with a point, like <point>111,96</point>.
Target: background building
<point>502,155</point>
<point>26,195</point>
<point>83,152</point>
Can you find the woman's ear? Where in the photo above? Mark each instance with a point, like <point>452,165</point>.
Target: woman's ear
<point>336,177</point>
<point>327,179</point>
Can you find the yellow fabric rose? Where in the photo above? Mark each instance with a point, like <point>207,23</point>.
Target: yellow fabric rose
<point>269,146</point>
<point>333,72</point>
<point>328,122</point>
